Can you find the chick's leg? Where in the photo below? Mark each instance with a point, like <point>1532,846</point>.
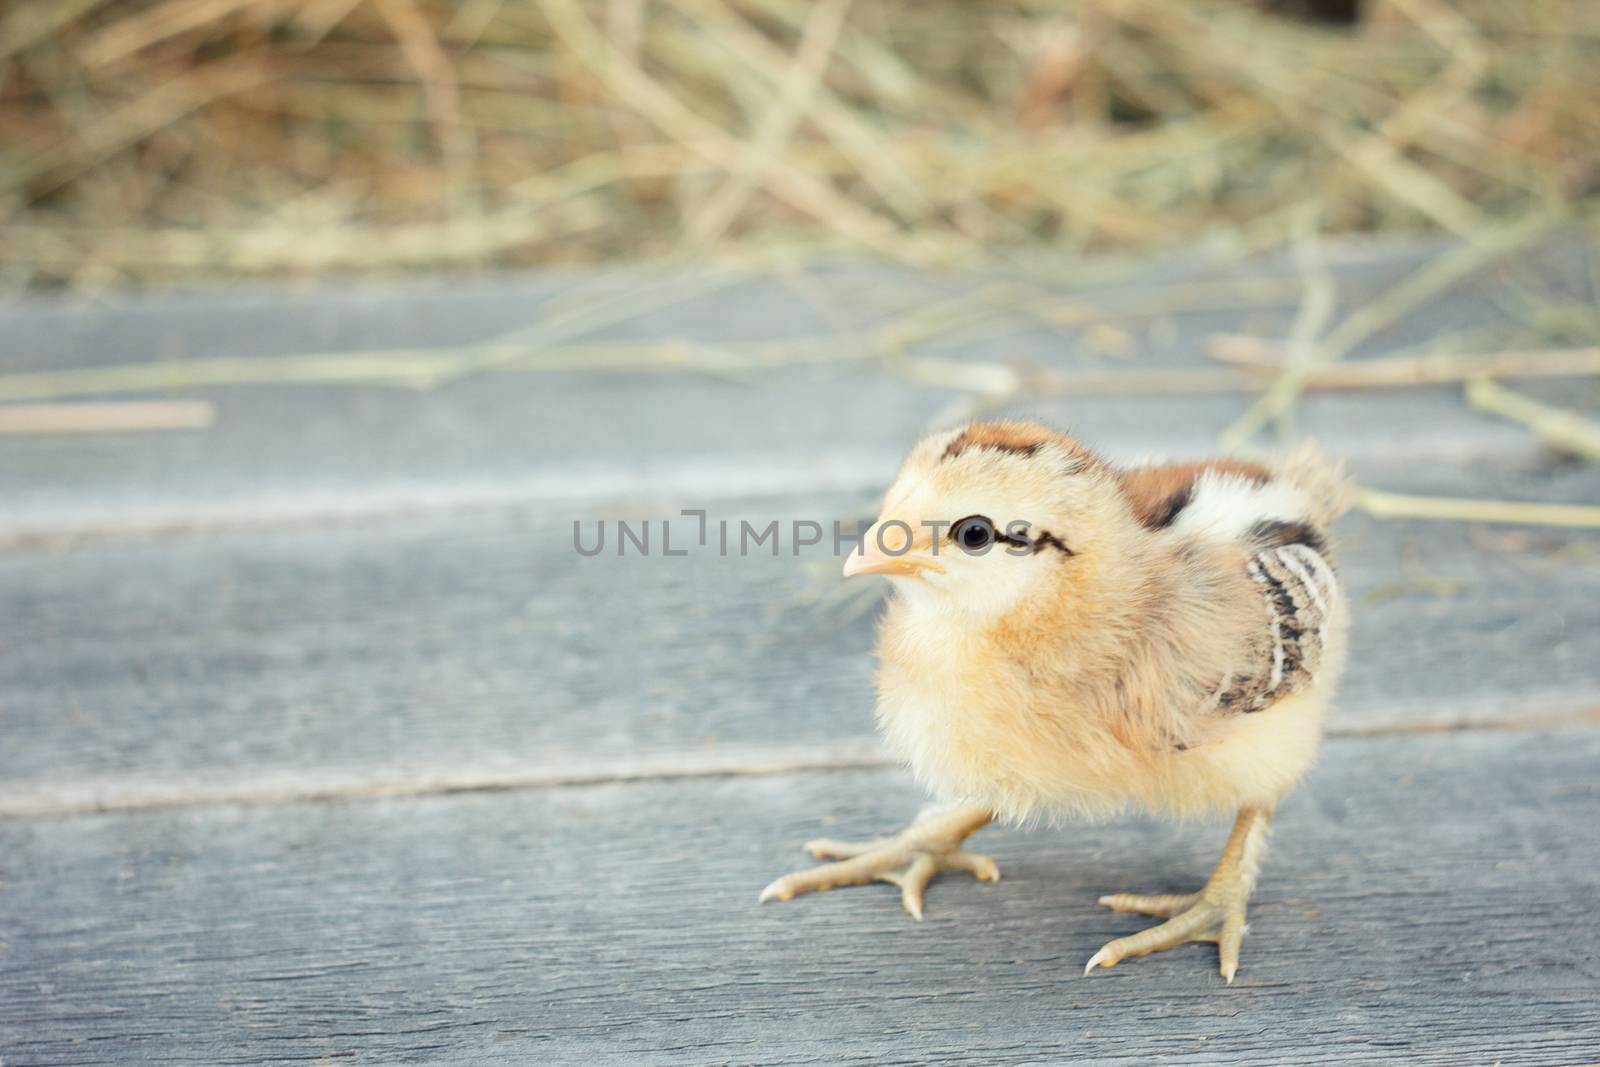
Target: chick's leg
<point>909,860</point>
<point>1216,913</point>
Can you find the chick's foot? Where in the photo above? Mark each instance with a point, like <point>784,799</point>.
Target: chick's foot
<point>909,860</point>
<point>1216,913</point>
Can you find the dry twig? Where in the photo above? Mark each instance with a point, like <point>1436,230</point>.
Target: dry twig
<point>1560,429</point>
<point>106,417</point>
<point>1385,505</point>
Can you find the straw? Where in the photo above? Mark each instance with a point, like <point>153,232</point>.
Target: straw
<point>1386,505</point>
<point>105,418</point>
<point>179,139</point>
<point>1564,430</point>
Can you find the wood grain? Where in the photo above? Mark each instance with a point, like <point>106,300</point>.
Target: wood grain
<point>321,744</point>
<point>1428,901</point>
<point>518,437</point>
<point>452,646</point>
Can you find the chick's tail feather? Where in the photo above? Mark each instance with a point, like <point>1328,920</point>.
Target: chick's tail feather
<point>1326,485</point>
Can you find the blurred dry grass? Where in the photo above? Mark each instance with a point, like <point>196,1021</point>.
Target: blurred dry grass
<point>166,139</point>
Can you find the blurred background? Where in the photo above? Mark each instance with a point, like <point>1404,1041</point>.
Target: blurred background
<point>145,141</point>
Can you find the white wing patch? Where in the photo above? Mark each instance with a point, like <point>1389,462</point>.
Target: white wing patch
<point>1223,507</point>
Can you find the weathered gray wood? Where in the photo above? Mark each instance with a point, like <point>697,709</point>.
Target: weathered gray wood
<point>1428,901</point>
<point>224,636</point>
<point>519,436</point>
<point>483,638</point>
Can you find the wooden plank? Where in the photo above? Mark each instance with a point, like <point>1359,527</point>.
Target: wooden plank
<point>520,436</point>
<point>1429,901</point>
<point>483,644</point>
<point>251,319</point>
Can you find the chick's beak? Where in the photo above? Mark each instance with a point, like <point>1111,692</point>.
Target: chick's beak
<point>888,548</point>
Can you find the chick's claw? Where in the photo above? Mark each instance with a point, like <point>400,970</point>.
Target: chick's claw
<point>911,860</point>
<point>903,865</point>
<point>1221,922</point>
<point>1216,913</point>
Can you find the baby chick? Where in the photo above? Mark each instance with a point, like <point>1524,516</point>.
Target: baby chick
<point>1070,639</point>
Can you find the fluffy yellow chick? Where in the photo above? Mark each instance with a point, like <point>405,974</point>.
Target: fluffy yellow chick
<point>1070,639</point>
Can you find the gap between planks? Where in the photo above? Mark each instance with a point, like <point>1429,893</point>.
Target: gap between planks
<point>125,793</point>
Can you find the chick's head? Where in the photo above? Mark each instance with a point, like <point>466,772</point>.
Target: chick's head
<point>983,517</point>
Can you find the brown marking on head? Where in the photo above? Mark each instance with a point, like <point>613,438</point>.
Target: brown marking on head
<point>1158,494</point>
<point>1015,436</point>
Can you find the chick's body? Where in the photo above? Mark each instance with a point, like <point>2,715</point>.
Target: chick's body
<point>1098,690</point>
<point>1068,639</point>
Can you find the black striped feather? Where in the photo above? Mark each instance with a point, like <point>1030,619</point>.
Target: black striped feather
<point>1298,588</point>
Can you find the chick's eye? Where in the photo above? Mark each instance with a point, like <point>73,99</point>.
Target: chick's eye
<point>974,533</point>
